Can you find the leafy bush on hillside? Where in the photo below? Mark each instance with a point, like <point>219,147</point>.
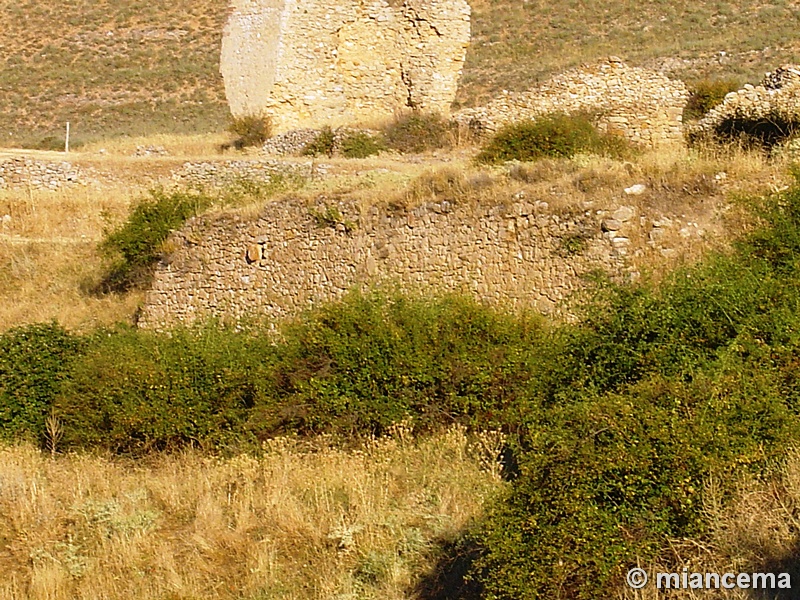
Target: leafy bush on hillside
<point>251,130</point>
<point>135,248</point>
<point>419,132</point>
<point>551,136</point>
<point>137,392</point>
<point>655,392</point>
<point>362,145</point>
<point>706,94</point>
<point>35,360</point>
<point>361,364</point>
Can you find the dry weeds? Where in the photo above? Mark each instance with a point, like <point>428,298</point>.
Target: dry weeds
<point>299,523</point>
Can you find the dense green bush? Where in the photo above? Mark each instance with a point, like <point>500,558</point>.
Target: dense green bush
<point>135,248</point>
<point>706,94</point>
<point>362,145</point>
<point>551,136</point>
<point>35,360</point>
<point>137,391</point>
<point>419,132</point>
<point>359,365</point>
<point>251,130</point>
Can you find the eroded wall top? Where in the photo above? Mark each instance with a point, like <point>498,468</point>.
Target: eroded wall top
<point>308,63</point>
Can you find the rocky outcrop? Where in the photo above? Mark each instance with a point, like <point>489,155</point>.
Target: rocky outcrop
<point>308,63</point>
<point>642,105</point>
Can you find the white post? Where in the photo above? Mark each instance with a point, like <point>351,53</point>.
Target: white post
<point>66,140</point>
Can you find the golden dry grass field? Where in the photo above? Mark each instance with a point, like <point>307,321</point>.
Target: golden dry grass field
<point>307,520</point>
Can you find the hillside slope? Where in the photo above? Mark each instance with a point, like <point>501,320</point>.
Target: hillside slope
<point>134,67</point>
<point>130,67</point>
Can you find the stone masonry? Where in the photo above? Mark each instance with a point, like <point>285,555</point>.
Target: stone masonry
<point>296,254</point>
<point>644,106</point>
<point>22,172</point>
<point>776,99</point>
<point>309,63</point>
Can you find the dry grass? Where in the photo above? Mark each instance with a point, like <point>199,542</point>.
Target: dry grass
<point>299,523</point>
<point>49,259</point>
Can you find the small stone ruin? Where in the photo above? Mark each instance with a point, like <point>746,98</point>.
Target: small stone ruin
<point>641,105</point>
<point>775,104</point>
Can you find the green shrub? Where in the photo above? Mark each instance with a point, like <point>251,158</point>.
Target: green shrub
<point>362,145</point>
<point>551,136</point>
<point>136,392</point>
<point>252,130</point>
<point>361,364</point>
<point>605,482</point>
<point>35,360</point>
<point>634,409</point>
<point>419,132</point>
<point>324,143</point>
<point>706,94</point>
<point>135,248</point>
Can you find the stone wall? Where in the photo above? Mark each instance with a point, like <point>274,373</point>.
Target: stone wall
<point>223,174</point>
<point>296,254</point>
<point>776,99</point>
<point>309,63</point>
<point>37,174</point>
<point>642,105</point>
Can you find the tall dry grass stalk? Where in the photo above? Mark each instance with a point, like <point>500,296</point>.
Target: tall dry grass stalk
<point>300,523</point>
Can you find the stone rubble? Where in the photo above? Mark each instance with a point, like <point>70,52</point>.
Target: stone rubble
<point>150,150</point>
<point>289,143</point>
<point>776,99</point>
<point>20,172</point>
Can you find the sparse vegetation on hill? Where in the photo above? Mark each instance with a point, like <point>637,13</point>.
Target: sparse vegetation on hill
<point>517,43</point>
<point>110,68</point>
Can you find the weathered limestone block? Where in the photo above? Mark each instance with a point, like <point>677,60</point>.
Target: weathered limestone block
<point>308,63</point>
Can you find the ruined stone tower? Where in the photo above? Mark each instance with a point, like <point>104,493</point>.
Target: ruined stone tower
<point>308,63</point>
